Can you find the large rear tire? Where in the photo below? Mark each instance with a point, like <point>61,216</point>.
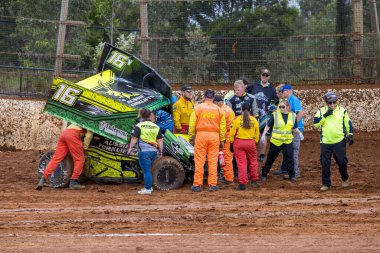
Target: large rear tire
<point>62,174</point>
<point>168,173</point>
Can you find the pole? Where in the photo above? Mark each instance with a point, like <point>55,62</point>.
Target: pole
<point>144,35</point>
<point>61,38</point>
<point>358,40</point>
<point>375,29</point>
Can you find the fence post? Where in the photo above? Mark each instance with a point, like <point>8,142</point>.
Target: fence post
<point>21,77</point>
<point>61,38</point>
<point>358,40</point>
<point>375,29</point>
<point>144,30</point>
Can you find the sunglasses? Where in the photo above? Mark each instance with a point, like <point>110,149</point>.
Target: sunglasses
<point>266,75</point>
<point>282,107</point>
<point>332,102</point>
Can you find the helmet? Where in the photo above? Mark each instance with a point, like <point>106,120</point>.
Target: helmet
<point>330,97</point>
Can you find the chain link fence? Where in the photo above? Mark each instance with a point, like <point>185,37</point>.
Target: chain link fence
<point>198,42</point>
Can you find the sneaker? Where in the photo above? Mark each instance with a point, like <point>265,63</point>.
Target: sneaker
<point>214,188</point>
<point>41,184</point>
<point>324,188</point>
<point>279,172</point>
<point>345,184</point>
<point>293,179</point>
<point>145,191</point>
<point>74,184</point>
<point>242,187</point>
<point>196,188</point>
<point>263,179</point>
<point>261,157</point>
<point>254,183</point>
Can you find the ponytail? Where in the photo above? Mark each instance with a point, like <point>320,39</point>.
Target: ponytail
<point>246,119</point>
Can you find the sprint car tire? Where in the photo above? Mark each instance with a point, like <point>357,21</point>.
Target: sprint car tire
<point>61,176</point>
<point>168,173</point>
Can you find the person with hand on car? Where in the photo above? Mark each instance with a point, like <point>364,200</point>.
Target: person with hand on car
<point>69,141</point>
<point>336,130</point>
<point>208,125</point>
<point>182,110</point>
<point>148,137</point>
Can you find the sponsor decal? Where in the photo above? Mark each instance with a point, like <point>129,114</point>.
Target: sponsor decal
<point>176,148</point>
<point>113,130</point>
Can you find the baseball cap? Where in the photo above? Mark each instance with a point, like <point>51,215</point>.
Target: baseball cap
<point>265,71</point>
<point>186,87</point>
<point>286,87</point>
<point>218,98</point>
<point>209,94</point>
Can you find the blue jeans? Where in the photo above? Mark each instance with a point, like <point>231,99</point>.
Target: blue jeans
<point>146,160</point>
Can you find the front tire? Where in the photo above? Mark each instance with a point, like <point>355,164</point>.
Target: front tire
<point>168,173</point>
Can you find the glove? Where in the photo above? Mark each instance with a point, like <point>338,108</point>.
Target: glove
<point>301,136</point>
<point>328,113</point>
<point>231,147</point>
<point>350,140</point>
<point>271,108</point>
<point>263,138</point>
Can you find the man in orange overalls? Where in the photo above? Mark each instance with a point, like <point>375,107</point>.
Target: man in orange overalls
<point>69,140</point>
<point>228,172</point>
<point>208,125</point>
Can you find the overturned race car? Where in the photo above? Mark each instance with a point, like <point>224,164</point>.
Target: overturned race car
<point>107,104</point>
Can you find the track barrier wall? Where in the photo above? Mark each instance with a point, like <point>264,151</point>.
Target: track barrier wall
<point>24,125</point>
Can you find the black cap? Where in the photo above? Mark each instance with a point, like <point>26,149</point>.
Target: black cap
<point>209,94</point>
<point>218,98</point>
<point>245,106</point>
<point>186,87</point>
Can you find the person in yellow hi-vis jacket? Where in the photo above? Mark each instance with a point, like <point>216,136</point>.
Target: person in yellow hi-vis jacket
<point>182,110</point>
<point>228,171</point>
<point>283,122</point>
<point>208,125</point>
<point>336,131</point>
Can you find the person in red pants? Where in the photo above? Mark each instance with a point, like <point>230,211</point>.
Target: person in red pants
<point>69,140</point>
<point>244,135</point>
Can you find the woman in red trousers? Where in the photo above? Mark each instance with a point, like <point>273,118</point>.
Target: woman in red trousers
<point>244,135</point>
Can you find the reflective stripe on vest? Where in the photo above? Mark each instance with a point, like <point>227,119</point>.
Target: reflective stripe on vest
<point>283,131</point>
<point>149,132</point>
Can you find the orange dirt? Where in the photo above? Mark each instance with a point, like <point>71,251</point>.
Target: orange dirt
<point>277,217</point>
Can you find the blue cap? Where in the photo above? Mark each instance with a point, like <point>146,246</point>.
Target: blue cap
<point>286,87</point>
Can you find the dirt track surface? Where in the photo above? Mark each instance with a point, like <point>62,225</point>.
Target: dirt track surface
<point>277,217</point>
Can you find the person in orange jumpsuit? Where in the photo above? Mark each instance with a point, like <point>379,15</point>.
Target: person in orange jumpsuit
<point>244,135</point>
<point>228,172</point>
<point>208,125</point>
<point>182,110</point>
<point>69,140</point>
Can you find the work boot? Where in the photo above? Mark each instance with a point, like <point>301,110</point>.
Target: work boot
<point>214,188</point>
<point>293,179</point>
<point>242,187</point>
<point>196,188</point>
<point>345,184</point>
<point>279,172</point>
<point>74,184</point>
<point>41,184</point>
<point>324,188</point>
<point>145,191</point>
<point>226,182</point>
<point>255,184</point>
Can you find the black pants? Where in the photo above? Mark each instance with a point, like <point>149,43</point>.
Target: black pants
<point>338,150</point>
<point>274,151</point>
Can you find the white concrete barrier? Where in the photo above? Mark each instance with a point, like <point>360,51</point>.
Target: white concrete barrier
<point>24,125</point>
